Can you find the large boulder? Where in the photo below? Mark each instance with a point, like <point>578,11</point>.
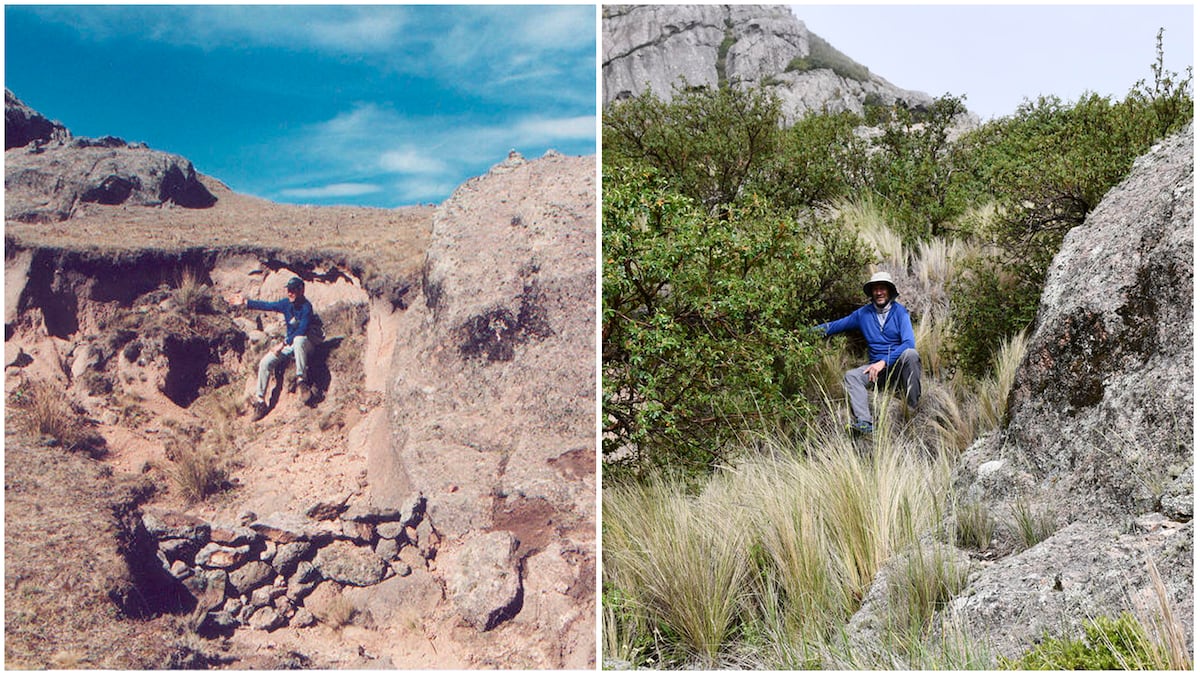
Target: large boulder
<point>49,175</point>
<point>493,397</point>
<point>1098,439</point>
<point>661,47</point>
<point>1100,414</point>
<point>498,380</point>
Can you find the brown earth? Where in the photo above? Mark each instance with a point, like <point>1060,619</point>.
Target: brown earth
<point>113,306</point>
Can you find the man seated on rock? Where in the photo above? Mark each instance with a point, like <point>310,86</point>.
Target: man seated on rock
<point>298,342</point>
<point>887,328</point>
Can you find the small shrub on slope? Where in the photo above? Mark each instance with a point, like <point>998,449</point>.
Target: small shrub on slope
<point>1107,644</point>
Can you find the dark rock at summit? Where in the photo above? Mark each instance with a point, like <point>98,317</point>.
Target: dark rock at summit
<point>50,175</point>
<point>24,125</point>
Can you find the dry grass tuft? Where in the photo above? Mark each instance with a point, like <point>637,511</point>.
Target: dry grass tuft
<point>196,472</point>
<point>993,392</point>
<point>43,408</point>
<point>192,294</point>
<point>336,612</point>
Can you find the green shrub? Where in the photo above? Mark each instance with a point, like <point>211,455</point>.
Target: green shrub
<point>819,159</point>
<point>824,55</point>
<point>915,173</point>
<point>706,319</point>
<point>1047,167</point>
<point>708,143</point>
<point>1107,644</point>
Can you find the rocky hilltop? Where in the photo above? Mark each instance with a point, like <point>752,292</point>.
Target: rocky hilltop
<point>55,174</point>
<point>430,504</point>
<point>661,47</point>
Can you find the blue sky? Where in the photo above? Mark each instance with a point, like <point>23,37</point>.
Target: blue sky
<point>365,105</point>
<point>999,55</point>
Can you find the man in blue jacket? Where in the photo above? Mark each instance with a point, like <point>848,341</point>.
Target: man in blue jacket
<point>886,326</point>
<point>297,342</point>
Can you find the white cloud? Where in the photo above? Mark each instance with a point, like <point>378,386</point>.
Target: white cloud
<point>331,191</point>
<point>344,29</point>
<point>412,191</point>
<point>572,128</point>
<point>410,160</point>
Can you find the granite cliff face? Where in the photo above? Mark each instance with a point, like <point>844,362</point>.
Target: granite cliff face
<point>661,47</point>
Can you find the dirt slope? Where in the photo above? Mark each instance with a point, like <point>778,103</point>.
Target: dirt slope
<point>120,308</point>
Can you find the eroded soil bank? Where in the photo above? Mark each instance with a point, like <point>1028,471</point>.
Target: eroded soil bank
<point>155,369</point>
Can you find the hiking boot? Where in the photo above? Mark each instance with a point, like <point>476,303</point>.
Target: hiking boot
<point>861,427</point>
<point>260,409</point>
<point>305,390</point>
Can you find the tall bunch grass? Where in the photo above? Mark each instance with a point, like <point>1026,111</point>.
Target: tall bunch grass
<point>874,229</point>
<point>768,561</point>
<point>993,391</point>
<point>197,472</point>
<point>44,408</point>
<point>675,566</point>
<point>191,292</point>
<point>927,580</point>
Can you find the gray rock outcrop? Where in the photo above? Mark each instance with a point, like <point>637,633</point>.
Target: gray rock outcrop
<point>662,47</point>
<point>1099,433</point>
<point>51,175</point>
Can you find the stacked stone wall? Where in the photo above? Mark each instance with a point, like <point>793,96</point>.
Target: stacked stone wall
<point>259,572</point>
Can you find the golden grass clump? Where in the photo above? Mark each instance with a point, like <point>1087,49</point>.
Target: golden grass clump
<point>44,408</point>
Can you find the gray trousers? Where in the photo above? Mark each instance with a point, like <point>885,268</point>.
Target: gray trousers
<point>301,348</point>
<point>903,375</point>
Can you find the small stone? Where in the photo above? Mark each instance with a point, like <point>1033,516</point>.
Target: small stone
<point>288,555</point>
<point>234,536</point>
<point>390,530</point>
<point>387,549</point>
<point>180,570</point>
<point>303,618</point>
<point>359,531</point>
<point>306,572</point>
<point>265,618</point>
<point>484,579</point>
<point>326,510</point>
<point>250,576</point>
<point>223,557</point>
<point>261,596</point>
<point>170,525</point>
<point>234,606</point>
<point>346,563</point>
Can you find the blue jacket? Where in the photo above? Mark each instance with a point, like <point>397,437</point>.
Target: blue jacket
<point>883,344</point>
<point>297,315</point>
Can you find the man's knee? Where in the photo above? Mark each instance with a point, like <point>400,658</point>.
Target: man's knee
<point>910,357</point>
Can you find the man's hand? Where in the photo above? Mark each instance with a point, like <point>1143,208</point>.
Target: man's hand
<point>874,370</point>
<point>279,348</point>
